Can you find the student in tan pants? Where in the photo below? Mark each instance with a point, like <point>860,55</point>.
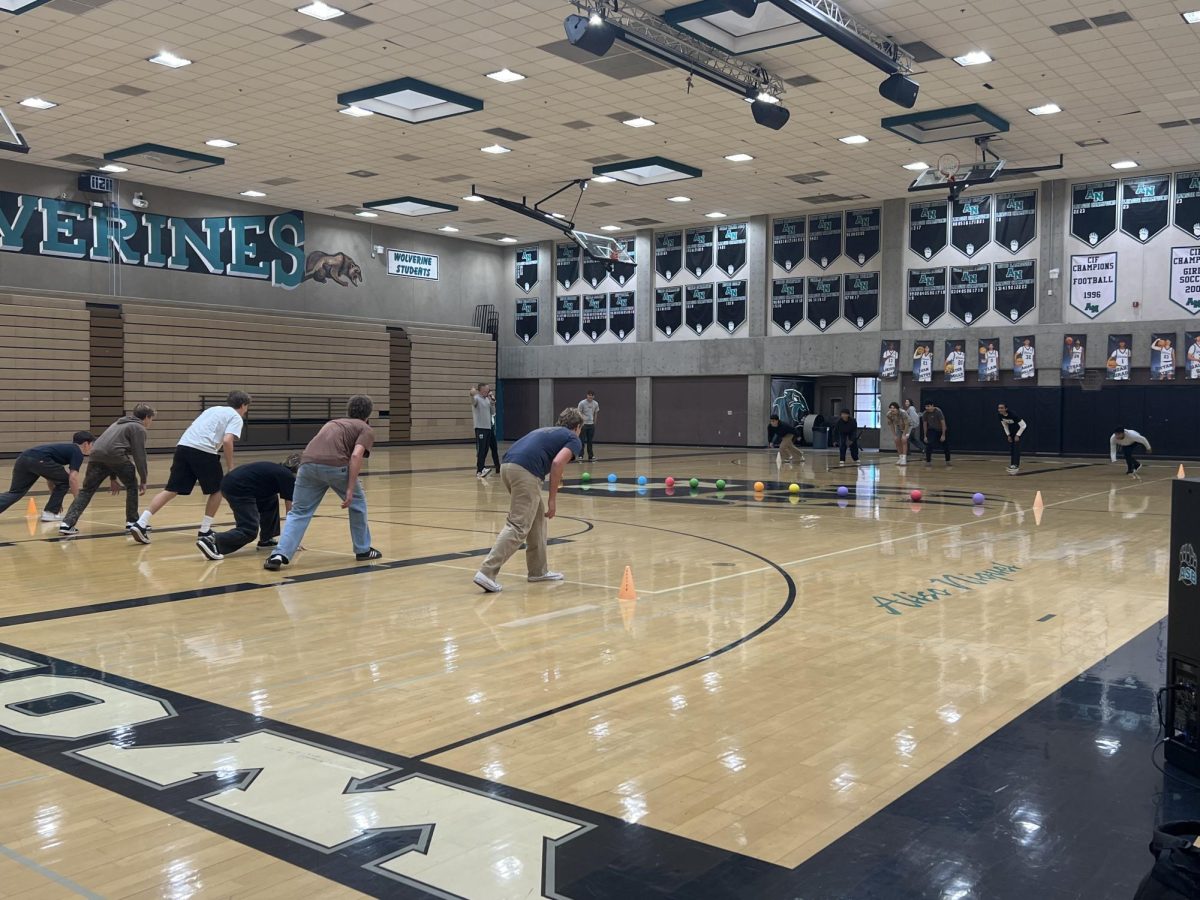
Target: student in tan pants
<point>543,452</point>
<point>784,437</point>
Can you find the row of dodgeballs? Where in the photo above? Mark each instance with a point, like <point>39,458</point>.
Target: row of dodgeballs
<point>642,480</point>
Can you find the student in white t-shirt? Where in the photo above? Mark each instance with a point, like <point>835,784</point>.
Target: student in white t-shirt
<point>198,459</point>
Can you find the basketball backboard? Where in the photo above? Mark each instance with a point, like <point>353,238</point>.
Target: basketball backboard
<point>943,177</point>
<point>599,246</point>
<point>9,138</point>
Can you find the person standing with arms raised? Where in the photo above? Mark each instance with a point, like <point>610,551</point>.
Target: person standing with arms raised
<point>589,409</point>
<point>483,411</point>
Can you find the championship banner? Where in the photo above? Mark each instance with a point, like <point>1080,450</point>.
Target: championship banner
<point>527,268</point>
<point>621,314</point>
<point>955,367</point>
<point>889,360</point>
<point>1187,202</point>
<point>1074,348</point>
<point>668,309</point>
<point>824,300</point>
<point>731,248</point>
<point>1025,356</point>
<point>621,272</point>
<point>699,250</point>
<point>969,292</point>
<point>860,298</point>
<point>787,242</point>
<point>1120,356</point>
<point>595,315</point>
<point>1093,283</point>
<point>594,270</point>
<point>668,253</point>
<point>923,361</point>
<point>731,305</point>
<point>566,317</point>
<point>698,307</point>
<point>525,320</point>
<point>862,234</point>
<point>989,359</point>
<point>1145,205</point>
<point>787,303</point>
<point>1093,211</point>
<point>1162,356</point>
<point>1016,219</point>
<point>825,238</point>
<point>1014,288</point>
<point>1192,339</point>
<point>1185,278</point>
<point>971,224</point>
<point>566,264</point>
<point>927,228</point>
<point>926,294</point>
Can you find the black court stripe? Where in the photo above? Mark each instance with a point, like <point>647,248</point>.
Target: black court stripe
<point>1056,469</point>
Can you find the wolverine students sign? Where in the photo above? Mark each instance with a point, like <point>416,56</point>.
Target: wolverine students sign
<point>407,264</point>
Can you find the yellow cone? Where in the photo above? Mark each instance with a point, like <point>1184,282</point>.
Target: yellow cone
<point>31,508</point>
<point>627,592</point>
<point>1181,473</point>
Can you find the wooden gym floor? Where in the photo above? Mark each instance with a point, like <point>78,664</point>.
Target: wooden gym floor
<point>789,668</point>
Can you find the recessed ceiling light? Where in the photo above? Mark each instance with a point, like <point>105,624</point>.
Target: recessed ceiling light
<point>639,122</point>
<point>473,198</point>
<point>508,240</point>
<point>367,214</point>
<point>603,179</point>
<point>680,199</point>
<point>1124,164</point>
<point>357,111</point>
<point>739,157</point>
<point>1192,18</point>
<point>506,76</point>
<point>114,170</point>
<point>253,194</point>
<point>1046,109</point>
<point>854,139</point>
<point>38,103</point>
<point>766,97</point>
<point>170,60</point>
<point>557,216</point>
<point>610,227</point>
<point>974,58</point>
<point>714,215</point>
<point>222,143</point>
<point>322,11</point>
<point>916,166</point>
<point>495,148</point>
<point>448,228</point>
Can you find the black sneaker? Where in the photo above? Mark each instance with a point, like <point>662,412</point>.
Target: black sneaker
<point>267,544</point>
<point>208,546</point>
<point>274,562</point>
<point>370,554</point>
<point>67,531</point>
<point>207,533</point>
<point>140,533</point>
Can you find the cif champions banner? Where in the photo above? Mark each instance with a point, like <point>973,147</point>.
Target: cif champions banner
<point>264,248</point>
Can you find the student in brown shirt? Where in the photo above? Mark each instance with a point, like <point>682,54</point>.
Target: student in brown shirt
<point>332,459</point>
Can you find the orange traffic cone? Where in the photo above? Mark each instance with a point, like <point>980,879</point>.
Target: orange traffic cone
<point>31,508</point>
<point>1039,507</point>
<point>628,609</point>
<point>1038,503</point>
<point>627,592</point>
<point>1181,473</point>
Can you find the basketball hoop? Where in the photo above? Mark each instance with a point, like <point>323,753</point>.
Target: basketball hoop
<point>948,166</point>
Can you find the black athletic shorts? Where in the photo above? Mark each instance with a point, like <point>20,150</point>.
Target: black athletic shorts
<point>191,465</point>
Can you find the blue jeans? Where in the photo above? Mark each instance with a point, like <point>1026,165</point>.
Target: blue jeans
<point>312,481</point>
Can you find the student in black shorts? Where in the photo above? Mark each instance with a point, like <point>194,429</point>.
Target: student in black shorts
<point>59,464</point>
<point>253,492</point>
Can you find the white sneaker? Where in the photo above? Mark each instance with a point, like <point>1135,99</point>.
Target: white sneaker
<point>51,517</point>
<point>547,576</point>
<point>492,587</point>
<point>841,463</point>
<point>1013,470</point>
<point>485,472</point>
<point>903,461</point>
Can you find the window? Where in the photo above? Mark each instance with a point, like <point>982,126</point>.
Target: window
<point>866,402</point>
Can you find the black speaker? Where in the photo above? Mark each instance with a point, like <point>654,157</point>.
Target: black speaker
<point>900,90</point>
<point>772,115</point>
<point>745,8</point>
<point>583,34</point>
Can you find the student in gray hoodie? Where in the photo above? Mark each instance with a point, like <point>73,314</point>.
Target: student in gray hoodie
<point>119,454</point>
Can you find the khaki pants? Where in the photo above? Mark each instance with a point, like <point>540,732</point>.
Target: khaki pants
<point>788,451</point>
<point>526,522</point>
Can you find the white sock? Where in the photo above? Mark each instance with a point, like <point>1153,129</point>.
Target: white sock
<point>144,519</point>
<point>206,523</point>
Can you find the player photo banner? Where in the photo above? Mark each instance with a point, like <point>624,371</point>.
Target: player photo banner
<point>566,317</point>
<point>731,305</point>
<point>1185,278</point>
<point>595,316</point>
<point>668,309</point>
<point>527,268</point>
<point>1162,356</point>
<point>923,361</point>
<point>698,307</point>
<point>825,238</point>
<point>927,294</point>
<point>1145,206</point>
<point>621,314</point>
<point>1192,359</point>
<point>889,360</point>
<point>969,292</point>
<point>927,228</point>
<point>971,224</point>
<point>1014,288</point>
<point>989,359</point>
<point>1187,202</point>
<point>698,251</point>
<point>824,300</point>
<point>1016,219</point>
<point>862,234</point>
<point>731,248</point>
<point>1074,365</point>
<point>1120,356</point>
<point>787,303</point>
<point>1025,356</point>
<point>787,242</point>
<point>860,298</point>
<point>1093,283</point>
<point>623,271</point>
<point>525,321</point>
<point>955,367</point>
<point>1093,211</point>
<point>566,264</point>
<point>668,253</point>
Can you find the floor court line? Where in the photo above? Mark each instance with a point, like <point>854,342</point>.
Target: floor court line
<point>49,874</point>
